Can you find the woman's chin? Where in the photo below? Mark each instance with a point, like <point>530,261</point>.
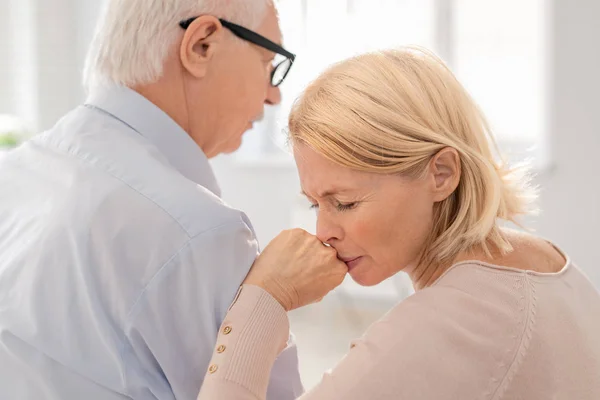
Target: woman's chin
<point>365,277</point>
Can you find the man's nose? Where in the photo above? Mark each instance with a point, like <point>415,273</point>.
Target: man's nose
<point>273,96</point>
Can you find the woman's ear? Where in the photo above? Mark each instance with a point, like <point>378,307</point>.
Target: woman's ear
<point>445,170</point>
<point>200,42</point>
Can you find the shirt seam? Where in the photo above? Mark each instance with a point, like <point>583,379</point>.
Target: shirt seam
<point>84,160</point>
<point>130,315</point>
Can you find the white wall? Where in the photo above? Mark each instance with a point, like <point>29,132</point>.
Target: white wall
<point>267,192</point>
<point>56,59</point>
<point>571,191</point>
<point>17,60</point>
<point>43,45</point>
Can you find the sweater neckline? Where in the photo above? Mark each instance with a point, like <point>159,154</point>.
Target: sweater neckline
<point>566,267</point>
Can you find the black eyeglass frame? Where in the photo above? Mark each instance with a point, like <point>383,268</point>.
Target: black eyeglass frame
<point>257,39</point>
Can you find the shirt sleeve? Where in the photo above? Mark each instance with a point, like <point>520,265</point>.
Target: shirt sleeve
<point>172,328</point>
<point>285,382</point>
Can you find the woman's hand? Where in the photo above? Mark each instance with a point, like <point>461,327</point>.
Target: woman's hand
<point>297,269</point>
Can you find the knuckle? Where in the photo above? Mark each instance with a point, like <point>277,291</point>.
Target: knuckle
<point>298,233</point>
<point>284,234</point>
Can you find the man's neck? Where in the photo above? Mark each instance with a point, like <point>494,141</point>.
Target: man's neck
<point>165,97</point>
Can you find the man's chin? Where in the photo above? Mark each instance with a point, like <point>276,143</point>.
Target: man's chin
<point>233,147</point>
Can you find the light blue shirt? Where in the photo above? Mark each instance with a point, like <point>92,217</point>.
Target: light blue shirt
<point>118,259</point>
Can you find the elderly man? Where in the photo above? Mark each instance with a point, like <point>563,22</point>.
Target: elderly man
<point>118,260</point>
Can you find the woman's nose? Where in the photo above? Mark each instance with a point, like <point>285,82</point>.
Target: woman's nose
<point>327,230</point>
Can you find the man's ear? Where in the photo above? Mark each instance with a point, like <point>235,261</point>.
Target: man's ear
<point>201,40</point>
<point>445,171</point>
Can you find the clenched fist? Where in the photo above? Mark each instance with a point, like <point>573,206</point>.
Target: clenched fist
<point>297,269</point>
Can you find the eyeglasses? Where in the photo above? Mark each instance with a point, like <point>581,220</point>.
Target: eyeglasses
<point>281,69</point>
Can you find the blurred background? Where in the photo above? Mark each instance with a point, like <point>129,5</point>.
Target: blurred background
<point>532,65</point>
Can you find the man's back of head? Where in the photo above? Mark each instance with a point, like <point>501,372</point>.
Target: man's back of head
<point>210,82</point>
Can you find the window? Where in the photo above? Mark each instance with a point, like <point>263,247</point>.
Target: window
<point>12,132</point>
<point>499,55</point>
<point>496,49</point>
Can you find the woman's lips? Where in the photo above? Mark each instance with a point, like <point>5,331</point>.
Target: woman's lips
<point>352,262</point>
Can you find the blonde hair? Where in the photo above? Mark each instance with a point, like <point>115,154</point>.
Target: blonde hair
<point>390,112</point>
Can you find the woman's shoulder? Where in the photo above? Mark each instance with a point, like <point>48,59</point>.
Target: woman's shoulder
<point>469,302</point>
<point>469,296</point>
<point>468,331</point>
<point>453,332</point>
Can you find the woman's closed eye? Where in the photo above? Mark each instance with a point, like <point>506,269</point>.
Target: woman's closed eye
<point>338,206</point>
<point>345,206</point>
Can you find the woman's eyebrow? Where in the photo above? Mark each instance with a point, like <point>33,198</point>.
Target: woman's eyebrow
<point>327,193</point>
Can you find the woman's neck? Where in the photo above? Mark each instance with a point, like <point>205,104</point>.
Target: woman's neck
<point>529,252</point>
<point>425,274</point>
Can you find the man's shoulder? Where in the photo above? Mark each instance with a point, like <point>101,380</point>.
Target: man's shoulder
<point>130,168</point>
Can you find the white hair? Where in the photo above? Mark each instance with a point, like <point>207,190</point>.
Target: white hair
<point>134,37</point>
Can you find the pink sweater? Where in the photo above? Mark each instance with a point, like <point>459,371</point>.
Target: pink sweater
<point>480,332</point>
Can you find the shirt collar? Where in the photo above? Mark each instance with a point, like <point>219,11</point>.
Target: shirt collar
<point>137,112</point>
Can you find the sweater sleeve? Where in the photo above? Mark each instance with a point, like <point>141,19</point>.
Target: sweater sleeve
<point>441,343</point>
<point>254,332</point>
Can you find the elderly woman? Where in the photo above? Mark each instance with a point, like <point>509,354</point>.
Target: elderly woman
<point>398,162</point>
